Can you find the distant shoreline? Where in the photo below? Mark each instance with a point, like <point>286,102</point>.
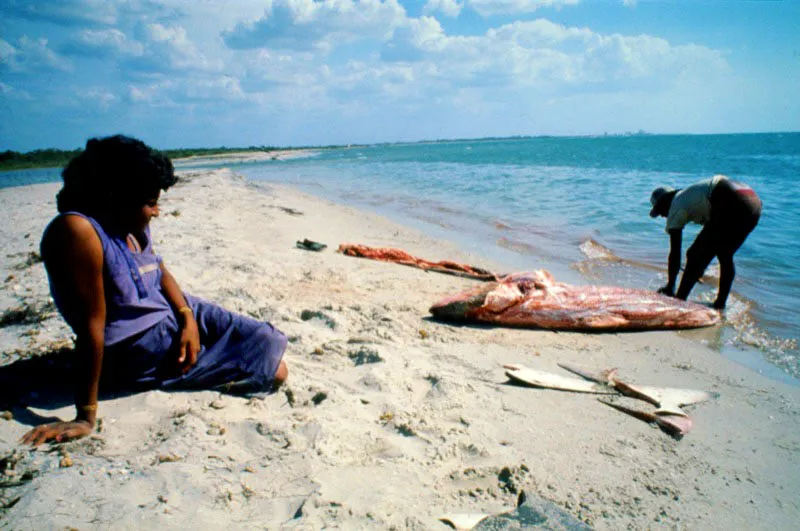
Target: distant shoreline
<point>61,157</point>
<point>247,156</point>
<point>46,159</point>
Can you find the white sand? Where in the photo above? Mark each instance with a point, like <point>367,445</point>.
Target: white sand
<point>426,430</point>
<point>245,156</point>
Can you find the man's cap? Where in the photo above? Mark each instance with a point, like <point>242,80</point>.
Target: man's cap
<point>656,196</point>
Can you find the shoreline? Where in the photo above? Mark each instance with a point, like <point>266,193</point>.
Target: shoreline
<point>245,157</point>
<point>230,157</point>
<point>382,425</point>
<point>735,343</point>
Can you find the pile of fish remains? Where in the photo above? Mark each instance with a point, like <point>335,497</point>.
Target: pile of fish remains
<point>536,300</point>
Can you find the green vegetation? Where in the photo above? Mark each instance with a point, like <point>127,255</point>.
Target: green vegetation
<point>40,158</point>
<point>55,158</point>
<point>204,152</point>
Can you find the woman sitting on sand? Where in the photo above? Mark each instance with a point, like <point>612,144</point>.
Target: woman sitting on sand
<point>132,321</point>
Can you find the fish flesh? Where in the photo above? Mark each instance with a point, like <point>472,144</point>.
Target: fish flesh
<point>535,299</point>
<point>398,256</point>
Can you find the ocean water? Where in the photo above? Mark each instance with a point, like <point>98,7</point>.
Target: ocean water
<point>579,207</point>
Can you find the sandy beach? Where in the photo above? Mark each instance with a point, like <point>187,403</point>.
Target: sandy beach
<point>240,157</point>
<point>389,419</point>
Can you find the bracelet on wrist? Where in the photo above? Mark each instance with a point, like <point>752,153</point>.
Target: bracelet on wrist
<point>186,310</point>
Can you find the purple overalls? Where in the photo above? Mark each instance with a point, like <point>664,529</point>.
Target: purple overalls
<point>238,354</point>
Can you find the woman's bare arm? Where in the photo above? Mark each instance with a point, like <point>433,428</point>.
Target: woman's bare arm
<point>190,335</point>
<point>73,256</point>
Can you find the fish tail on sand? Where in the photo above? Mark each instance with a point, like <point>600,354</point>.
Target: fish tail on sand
<point>667,414</point>
<point>675,425</point>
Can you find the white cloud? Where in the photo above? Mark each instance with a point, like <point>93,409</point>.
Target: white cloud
<point>30,55</point>
<point>165,49</point>
<point>222,88</point>
<point>11,92</point>
<point>101,97</point>
<point>97,13</point>
<point>449,8</point>
<point>265,70</point>
<point>7,52</point>
<point>181,92</point>
<point>414,40</point>
<point>306,24</point>
<point>540,33</point>
<point>420,62</point>
<point>152,94</point>
<point>342,61</point>
<point>514,7</point>
<point>102,43</point>
<point>173,45</point>
<point>548,56</point>
<point>362,82</point>
<point>65,12</point>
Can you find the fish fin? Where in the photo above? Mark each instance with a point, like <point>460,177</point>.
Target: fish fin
<point>675,425</point>
<point>463,521</point>
<point>605,377</point>
<point>674,396</point>
<point>636,413</point>
<point>670,409</point>
<point>634,392</point>
<point>549,380</point>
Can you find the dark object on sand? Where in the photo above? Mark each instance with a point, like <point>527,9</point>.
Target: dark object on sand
<point>536,300</point>
<point>532,512</point>
<point>309,245</point>
<point>390,254</point>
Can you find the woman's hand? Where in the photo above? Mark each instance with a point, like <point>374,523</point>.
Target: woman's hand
<point>190,343</point>
<point>58,432</point>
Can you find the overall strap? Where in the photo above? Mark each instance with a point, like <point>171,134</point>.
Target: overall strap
<point>132,266</point>
<point>105,238</point>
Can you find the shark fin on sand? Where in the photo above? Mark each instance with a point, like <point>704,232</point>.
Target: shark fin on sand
<point>463,521</point>
<point>668,415</point>
<point>675,425</point>
<point>549,380</point>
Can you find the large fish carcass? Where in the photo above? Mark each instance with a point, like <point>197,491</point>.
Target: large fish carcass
<point>536,300</point>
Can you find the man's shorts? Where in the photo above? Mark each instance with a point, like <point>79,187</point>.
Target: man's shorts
<point>735,211</point>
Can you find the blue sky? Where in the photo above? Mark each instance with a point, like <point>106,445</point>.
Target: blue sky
<point>204,73</point>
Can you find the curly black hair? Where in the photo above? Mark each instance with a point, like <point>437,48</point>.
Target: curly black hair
<point>113,171</point>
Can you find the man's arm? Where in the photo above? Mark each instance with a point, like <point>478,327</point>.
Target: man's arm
<point>674,261</point>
